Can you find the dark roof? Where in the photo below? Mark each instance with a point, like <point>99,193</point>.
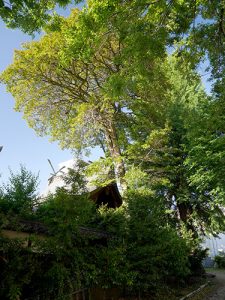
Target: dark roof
<point>108,195</point>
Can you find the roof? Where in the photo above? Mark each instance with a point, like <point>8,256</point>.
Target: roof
<point>107,195</point>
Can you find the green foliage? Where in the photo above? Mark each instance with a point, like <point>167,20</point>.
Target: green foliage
<point>75,180</point>
<point>66,211</point>
<point>181,157</point>
<point>193,30</point>
<point>100,172</point>
<point>220,260</point>
<point>102,77</point>
<point>155,251</point>
<point>206,158</point>
<point>17,268</point>
<point>28,15</point>
<point>19,195</point>
<point>131,247</point>
<point>195,258</point>
<point>81,92</point>
<point>112,220</point>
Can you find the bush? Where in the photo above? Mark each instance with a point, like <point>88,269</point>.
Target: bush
<point>19,196</point>
<point>141,253</point>
<point>195,259</point>
<point>155,251</point>
<point>220,261</point>
<point>65,209</point>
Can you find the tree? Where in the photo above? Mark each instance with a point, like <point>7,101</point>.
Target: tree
<point>182,158</point>
<point>152,244</point>
<point>101,77</point>
<point>206,160</point>
<point>192,28</point>
<point>82,97</point>
<point>19,194</point>
<point>96,62</point>
<point>28,15</point>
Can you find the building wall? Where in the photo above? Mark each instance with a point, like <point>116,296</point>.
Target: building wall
<point>215,244</point>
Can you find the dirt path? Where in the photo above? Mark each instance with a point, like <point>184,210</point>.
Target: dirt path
<point>218,287</point>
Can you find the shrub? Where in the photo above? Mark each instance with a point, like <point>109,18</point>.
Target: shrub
<point>195,259</point>
<point>220,261</point>
<point>65,209</point>
<point>141,253</point>
<point>155,251</point>
<point>19,194</point>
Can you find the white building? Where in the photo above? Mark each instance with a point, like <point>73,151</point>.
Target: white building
<point>215,245</point>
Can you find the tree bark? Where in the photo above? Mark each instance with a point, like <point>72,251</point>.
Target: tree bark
<point>115,152</point>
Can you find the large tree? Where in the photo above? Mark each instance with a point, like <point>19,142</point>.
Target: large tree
<point>182,158</point>
<point>81,93</point>
<point>101,77</point>
<point>195,27</point>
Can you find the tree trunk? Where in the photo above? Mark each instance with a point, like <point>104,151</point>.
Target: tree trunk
<point>115,153</point>
<point>185,211</point>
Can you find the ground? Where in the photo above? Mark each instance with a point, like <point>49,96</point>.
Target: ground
<point>216,288</point>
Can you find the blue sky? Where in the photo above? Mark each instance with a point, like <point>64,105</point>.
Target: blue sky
<point>20,143</point>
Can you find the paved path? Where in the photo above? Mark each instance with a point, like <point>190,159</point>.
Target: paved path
<point>218,292</point>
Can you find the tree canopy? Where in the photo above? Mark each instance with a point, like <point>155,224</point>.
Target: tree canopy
<point>28,15</point>
<point>124,76</point>
<point>80,96</point>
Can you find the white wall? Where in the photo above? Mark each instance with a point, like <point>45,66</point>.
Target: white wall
<point>215,244</point>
